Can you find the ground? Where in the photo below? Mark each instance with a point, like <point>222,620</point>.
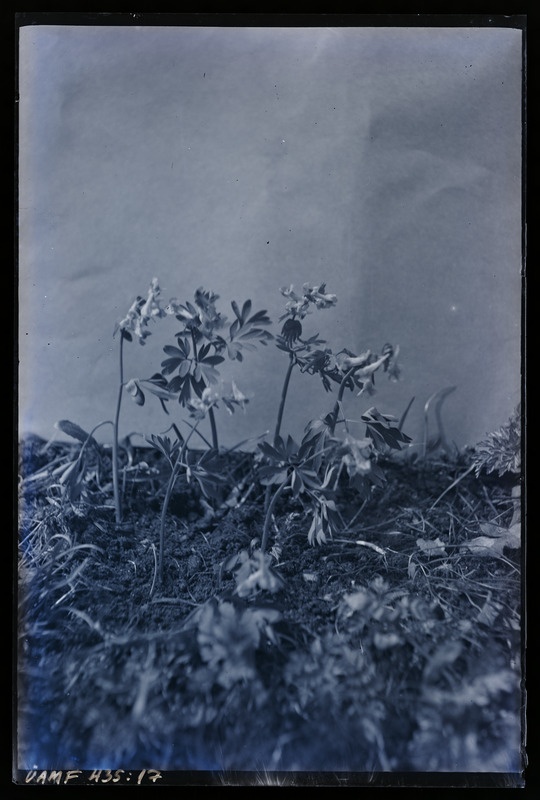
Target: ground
<point>394,647</point>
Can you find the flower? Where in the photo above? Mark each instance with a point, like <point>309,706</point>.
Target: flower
<point>200,406</point>
<point>299,305</point>
<point>356,455</point>
<point>141,312</point>
<point>318,296</point>
<point>291,331</point>
<point>235,398</point>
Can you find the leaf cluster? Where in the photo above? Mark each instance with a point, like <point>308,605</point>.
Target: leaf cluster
<point>500,451</point>
<point>200,345</point>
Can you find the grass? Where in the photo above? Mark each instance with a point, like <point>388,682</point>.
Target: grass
<point>392,648</point>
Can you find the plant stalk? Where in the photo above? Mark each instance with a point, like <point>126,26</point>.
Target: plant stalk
<point>212,418</point>
<point>211,415</point>
<point>115,453</point>
<point>168,494</point>
<point>269,513</point>
<point>341,392</point>
<point>277,430</point>
<point>284,391</point>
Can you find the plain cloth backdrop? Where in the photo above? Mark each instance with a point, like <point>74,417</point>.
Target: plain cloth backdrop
<point>385,162</point>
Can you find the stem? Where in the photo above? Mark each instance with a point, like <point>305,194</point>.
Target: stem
<point>455,483</point>
<point>212,418</point>
<point>170,486</point>
<point>341,391</point>
<point>115,455</point>
<point>211,415</point>
<point>270,511</point>
<point>284,391</point>
<point>193,427</point>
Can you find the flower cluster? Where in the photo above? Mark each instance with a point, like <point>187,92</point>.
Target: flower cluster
<point>135,323</point>
<point>356,455</point>
<point>299,305</point>
<point>210,397</point>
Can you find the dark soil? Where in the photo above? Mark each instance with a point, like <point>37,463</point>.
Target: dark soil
<point>392,648</point>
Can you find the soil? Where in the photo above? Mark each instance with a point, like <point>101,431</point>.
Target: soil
<point>391,648</point>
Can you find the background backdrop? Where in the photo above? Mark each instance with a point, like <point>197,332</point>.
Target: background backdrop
<point>384,161</point>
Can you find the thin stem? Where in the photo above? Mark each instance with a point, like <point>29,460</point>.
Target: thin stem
<point>212,418</point>
<point>292,362</point>
<point>284,390</point>
<point>341,391</point>
<point>115,454</point>
<point>211,415</point>
<point>270,511</point>
<point>170,486</point>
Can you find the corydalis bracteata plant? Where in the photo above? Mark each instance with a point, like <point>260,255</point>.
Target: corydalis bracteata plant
<point>290,340</point>
<point>344,368</point>
<point>313,468</point>
<point>135,325</point>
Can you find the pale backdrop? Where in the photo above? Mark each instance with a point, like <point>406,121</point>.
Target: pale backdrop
<point>384,161</point>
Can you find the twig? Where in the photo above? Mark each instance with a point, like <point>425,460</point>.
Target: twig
<point>404,415</point>
<point>452,485</point>
<point>155,568</point>
<point>439,397</point>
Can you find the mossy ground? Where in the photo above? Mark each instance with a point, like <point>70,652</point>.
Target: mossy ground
<point>392,648</point>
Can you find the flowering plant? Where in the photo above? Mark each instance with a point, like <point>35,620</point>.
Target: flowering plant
<point>313,469</point>
<point>135,324</point>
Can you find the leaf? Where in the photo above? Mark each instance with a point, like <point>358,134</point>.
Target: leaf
<point>133,388</point>
<point>209,373</point>
<point>176,384</point>
<point>158,380</point>
<point>372,546</point>
<point>492,529</point>
<point>175,352</point>
<point>184,368</point>
<point>258,575</point>
<point>262,318</point>
<point>432,547</point>
<point>383,641</point>
<point>75,431</point>
<point>297,484</point>
<point>209,482</point>
<point>444,656</point>
<point>381,428</point>
<point>185,392</point>
<point>271,475</point>
<point>234,352</point>
<point>246,308</point>
<point>489,612</point>
<point>291,448</point>
<point>493,546</point>
<point>359,600</point>
<point>269,451</point>
<point>203,351</point>
<point>316,532</point>
<point>211,360</point>
<point>234,306</point>
<point>163,394</point>
<point>170,364</point>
